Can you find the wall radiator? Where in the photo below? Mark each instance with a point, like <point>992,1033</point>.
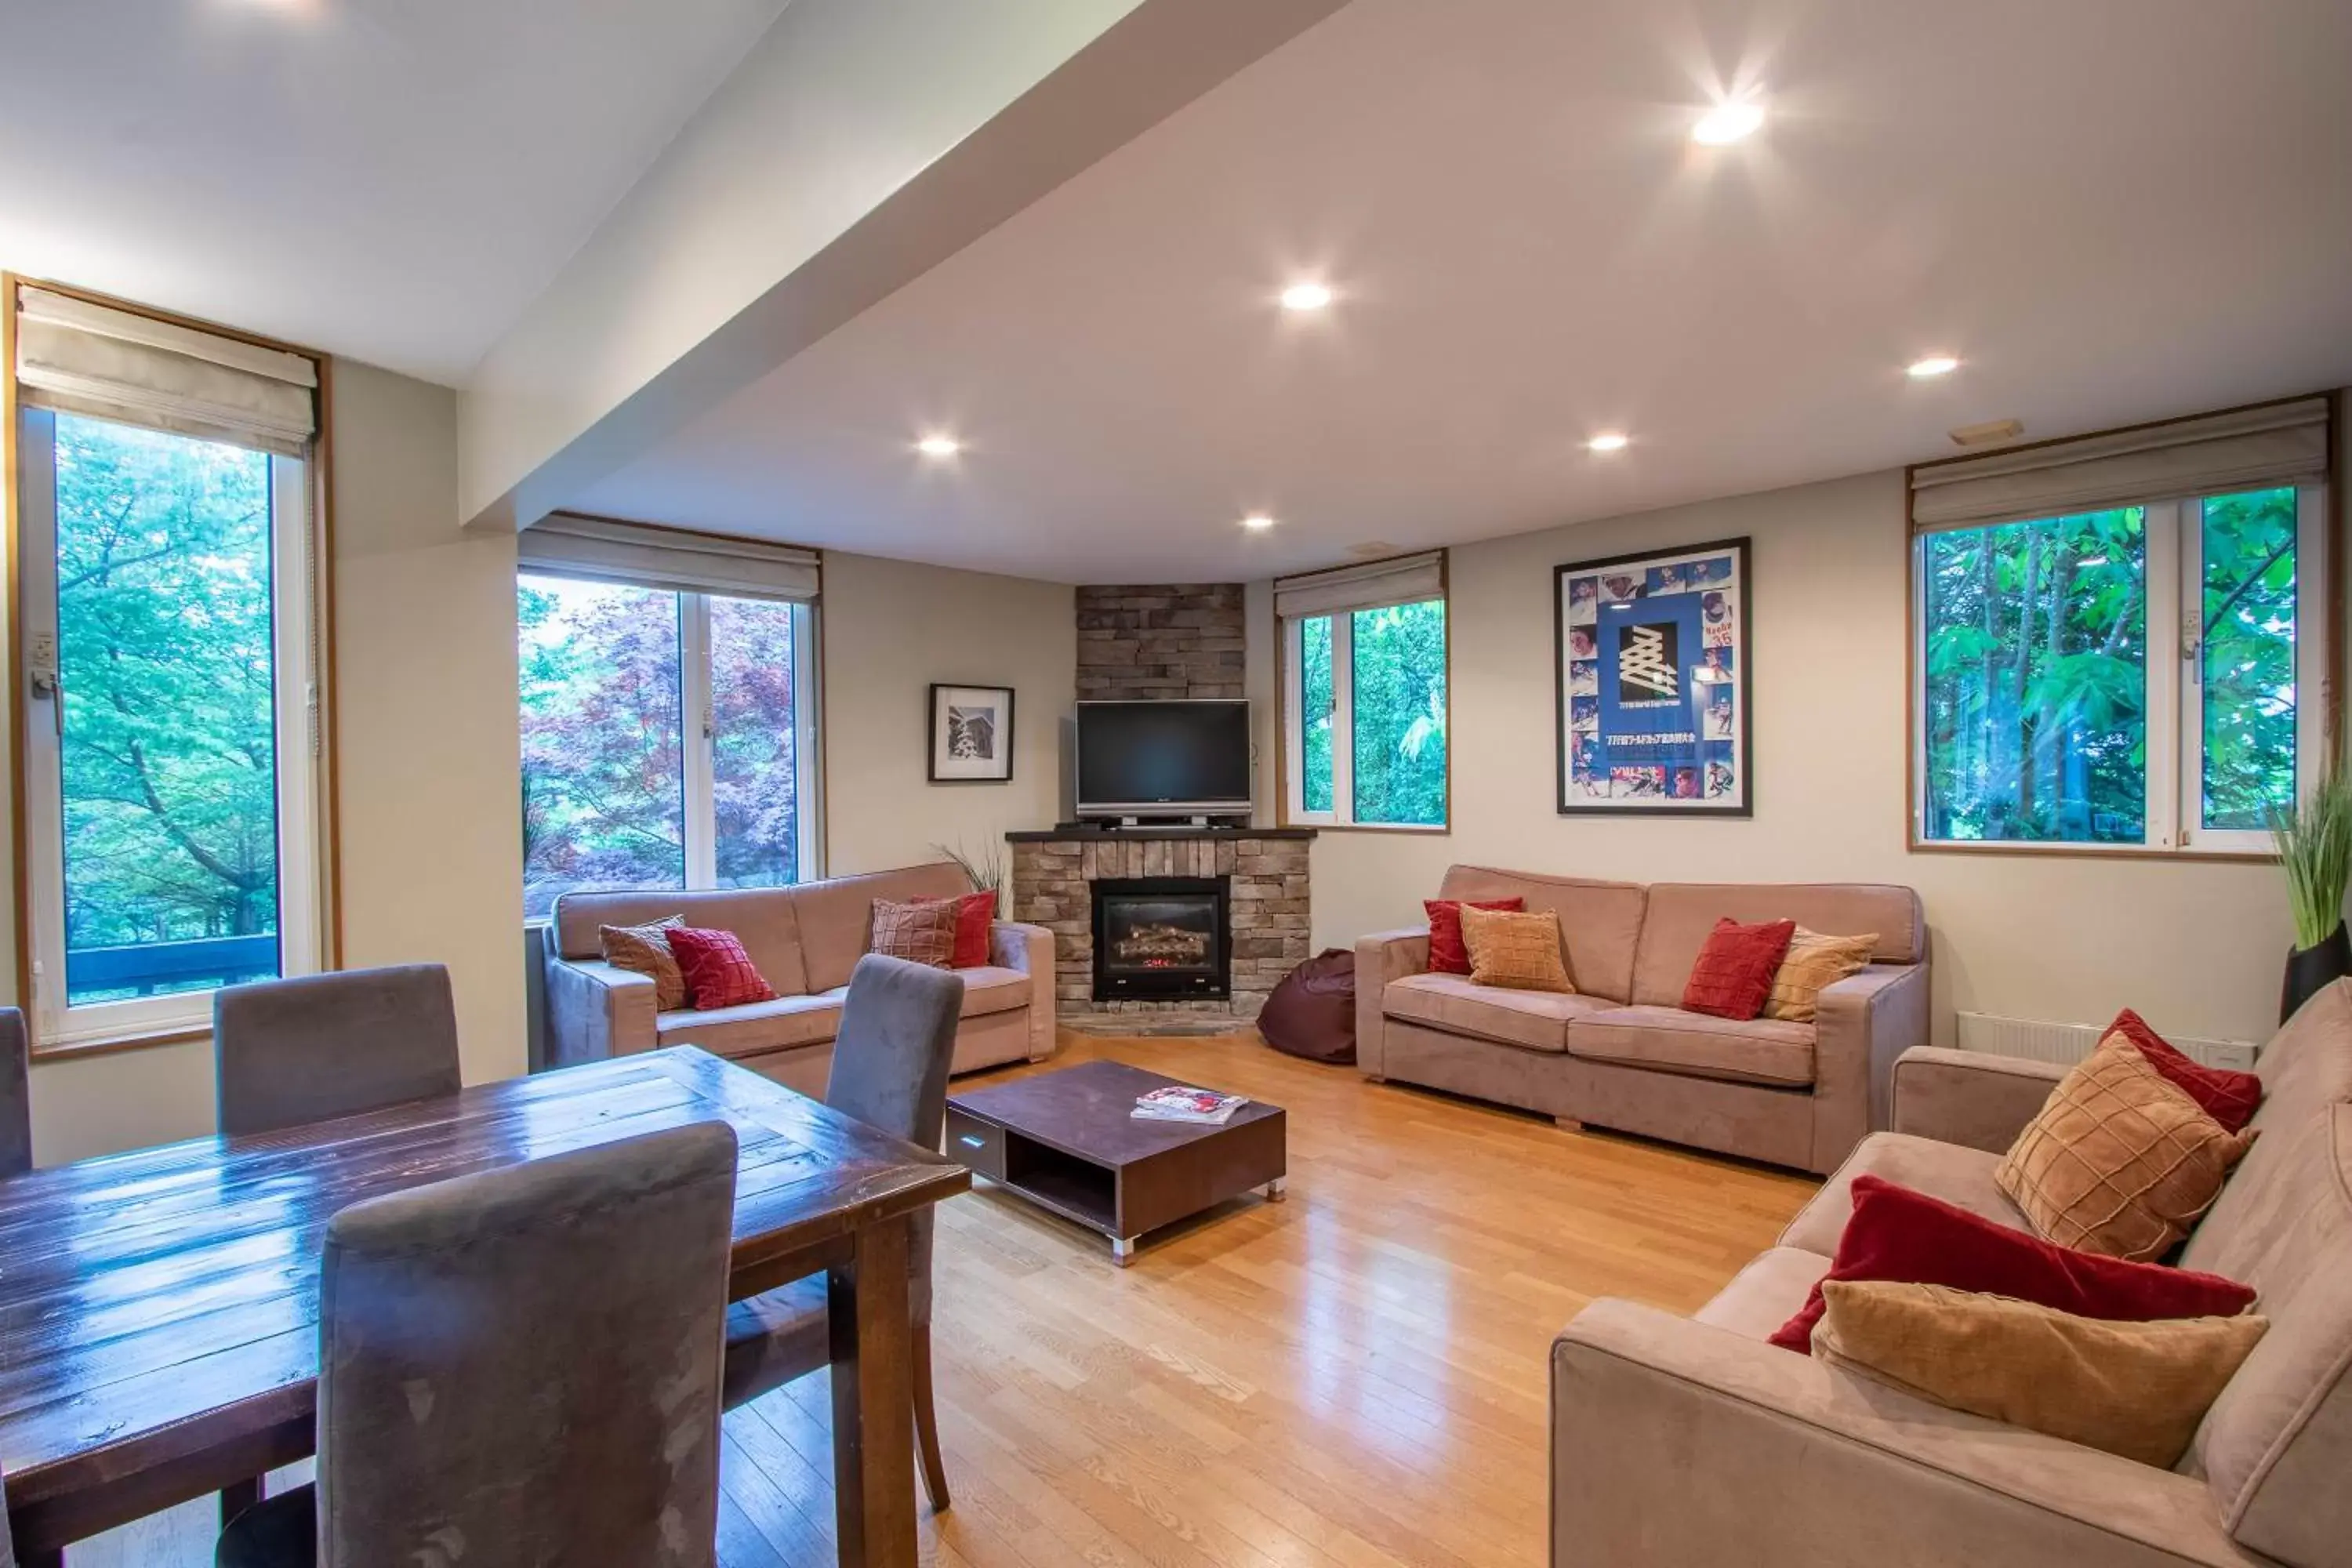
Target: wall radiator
<point>2067,1044</point>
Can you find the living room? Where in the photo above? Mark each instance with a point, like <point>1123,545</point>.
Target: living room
<point>1204,478</point>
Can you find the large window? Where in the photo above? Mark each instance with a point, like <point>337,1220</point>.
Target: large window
<point>1364,703</point>
<point>2141,676</point>
<point>668,738</point>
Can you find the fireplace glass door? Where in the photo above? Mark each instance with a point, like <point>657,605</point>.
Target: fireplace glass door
<point>1162,939</point>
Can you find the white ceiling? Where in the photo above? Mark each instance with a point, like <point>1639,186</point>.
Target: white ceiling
<point>2112,209</point>
<point>392,179</point>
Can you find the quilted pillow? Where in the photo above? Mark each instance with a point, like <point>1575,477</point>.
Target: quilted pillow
<point>1447,953</point>
<point>1518,950</point>
<point>644,950</point>
<point>1814,961</point>
<point>920,930</point>
<point>1733,974</point>
<point>719,972</point>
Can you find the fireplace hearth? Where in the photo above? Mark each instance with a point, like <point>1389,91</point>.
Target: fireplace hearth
<point>1162,939</point>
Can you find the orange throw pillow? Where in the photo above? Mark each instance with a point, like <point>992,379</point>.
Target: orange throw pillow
<point>1815,961</point>
<point>644,950</point>
<point>1517,951</point>
<point>920,930</point>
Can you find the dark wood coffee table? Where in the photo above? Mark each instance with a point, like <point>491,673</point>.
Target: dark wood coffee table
<point>1065,1142</point>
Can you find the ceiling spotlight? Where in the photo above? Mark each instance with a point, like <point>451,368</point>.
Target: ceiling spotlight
<point>1932,366</point>
<point>1608,441</point>
<point>1305,297</point>
<point>1728,123</point>
<point>1257,522</point>
<point>939,446</point>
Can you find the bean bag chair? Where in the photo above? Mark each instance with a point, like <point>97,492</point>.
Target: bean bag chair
<point>1312,1013</point>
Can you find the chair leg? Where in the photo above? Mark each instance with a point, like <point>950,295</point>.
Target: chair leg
<point>927,1422</point>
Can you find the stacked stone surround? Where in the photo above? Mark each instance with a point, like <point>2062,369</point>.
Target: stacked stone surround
<point>1169,640</point>
<point>1051,873</point>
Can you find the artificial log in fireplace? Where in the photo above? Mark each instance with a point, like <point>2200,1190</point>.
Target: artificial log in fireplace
<point>1161,939</point>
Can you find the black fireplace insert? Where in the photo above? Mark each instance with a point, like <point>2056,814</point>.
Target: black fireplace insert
<point>1163,939</point>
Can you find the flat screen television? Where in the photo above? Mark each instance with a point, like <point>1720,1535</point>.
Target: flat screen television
<point>1173,758</point>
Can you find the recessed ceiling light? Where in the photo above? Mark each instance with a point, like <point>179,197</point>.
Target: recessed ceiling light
<point>1305,296</point>
<point>1608,441</point>
<point>939,446</point>
<point>1933,365</point>
<point>1257,522</point>
<point>1729,123</point>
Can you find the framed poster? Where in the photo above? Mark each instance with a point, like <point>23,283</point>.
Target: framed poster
<point>1652,660</point>
<point>972,734</point>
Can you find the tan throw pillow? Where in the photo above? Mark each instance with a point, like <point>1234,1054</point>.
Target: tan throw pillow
<point>644,950</point>
<point>2119,1161</point>
<point>2133,1389</point>
<point>921,931</point>
<point>1814,961</point>
<point>1520,950</point>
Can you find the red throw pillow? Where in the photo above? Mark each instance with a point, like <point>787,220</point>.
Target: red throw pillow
<point>1908,1237</point>
<point>1448,954</point>
<point>1733,976</point>
<point>2228,1097</point>
<point>719,972</point>
<point>974,914</point>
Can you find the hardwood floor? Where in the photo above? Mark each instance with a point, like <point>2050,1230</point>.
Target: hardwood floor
<point>1355,1378</point>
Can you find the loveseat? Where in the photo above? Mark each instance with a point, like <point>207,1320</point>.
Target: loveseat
<point>1680,1443</point>
<point>1621,1053</point>
<point>804,940</point>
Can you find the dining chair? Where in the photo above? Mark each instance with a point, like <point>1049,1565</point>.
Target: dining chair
<point>519,1367</point>
<point>889,1070</point>
<point>15,1102</point>
<point>291,1051</point>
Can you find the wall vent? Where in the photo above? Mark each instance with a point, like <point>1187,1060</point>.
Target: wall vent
<point>2067,1044</point>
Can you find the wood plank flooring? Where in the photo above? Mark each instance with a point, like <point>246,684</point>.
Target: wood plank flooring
<point>1354,1378</point>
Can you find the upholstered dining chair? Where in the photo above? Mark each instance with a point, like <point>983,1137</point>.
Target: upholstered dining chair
<point>890,1071</point>
<point>291,1051</point>
<point>15,1103</point>
<point>519,1367</point>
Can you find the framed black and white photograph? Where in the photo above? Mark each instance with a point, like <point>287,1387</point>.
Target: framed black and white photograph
<point>972,734</point>
<point>1651,657</point>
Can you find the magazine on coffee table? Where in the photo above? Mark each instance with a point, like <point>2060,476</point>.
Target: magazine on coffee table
<point>1176,1103</point>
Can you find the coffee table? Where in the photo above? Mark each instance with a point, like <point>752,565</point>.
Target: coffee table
<point>1065,1141</point>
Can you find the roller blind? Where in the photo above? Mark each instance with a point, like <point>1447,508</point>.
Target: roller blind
<point>2271,444</point>
<point>669,558</point>
<point>1406,580</point>
<point>79,358</point>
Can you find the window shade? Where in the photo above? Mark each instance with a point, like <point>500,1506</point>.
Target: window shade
<point>652,557</point>
<point>2271,444</point>
<point>1405,580</point>
<point>79,358</point>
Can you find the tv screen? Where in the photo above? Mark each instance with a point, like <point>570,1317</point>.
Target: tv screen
<point>1138,759</point>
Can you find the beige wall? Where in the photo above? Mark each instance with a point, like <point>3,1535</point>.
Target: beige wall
<point>891,628</point>
<point>2195,947</point>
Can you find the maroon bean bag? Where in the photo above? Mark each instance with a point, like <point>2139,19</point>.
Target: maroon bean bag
<point>1312,1013</point>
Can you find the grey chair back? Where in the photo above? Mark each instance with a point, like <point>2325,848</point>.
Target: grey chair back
<point>521,1367</point>
<point>890,1064</point>
<point>287,1052</point>
<point>16,1111</point>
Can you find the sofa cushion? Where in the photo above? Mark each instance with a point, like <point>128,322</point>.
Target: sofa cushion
<point>1537,1020</point>
<point>1521,951</point>
<point>1733,973</point>
<point>1815,961</point>
<point>644,950</point>
<point>1448,952</point>
<point>987,988</point>
<point>1766,1293</point>
<point>1753,1050</point>
<point>920,930</point>
<point>1600,922</point>
<point>754,1026</point>
<point>1681,914</point>
<point>1961,1176</point>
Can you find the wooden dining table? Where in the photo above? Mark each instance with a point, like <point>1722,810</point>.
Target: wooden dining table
<point>159,1309</point>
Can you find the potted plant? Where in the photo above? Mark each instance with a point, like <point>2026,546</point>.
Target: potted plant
<point>2315,850</point>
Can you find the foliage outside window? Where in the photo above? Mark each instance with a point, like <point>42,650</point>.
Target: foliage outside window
<point>1368,707</point>
<point>2127,677</point>
<point>614,679</point>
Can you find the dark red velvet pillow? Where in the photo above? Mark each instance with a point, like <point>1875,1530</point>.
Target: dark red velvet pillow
<point>719,972</point>
<point>2228,1097</point>
<point>1906,1237</point>
<point>1733,976</point>
<point>974,912</point>
<point>1448,954</point>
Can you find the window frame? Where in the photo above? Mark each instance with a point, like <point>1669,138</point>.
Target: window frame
<point>1289,677</point>
<point>2175,769</point>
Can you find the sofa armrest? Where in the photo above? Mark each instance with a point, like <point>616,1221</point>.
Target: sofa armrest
<point>1865,1021</point>
<point>1382,957</point>
<point>1029,949</point>
<point>596,1011</point>
<point>1681,1446</point>
<point>1970,1097</point>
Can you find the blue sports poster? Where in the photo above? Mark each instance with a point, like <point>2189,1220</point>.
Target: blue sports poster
<point>1653,675</point>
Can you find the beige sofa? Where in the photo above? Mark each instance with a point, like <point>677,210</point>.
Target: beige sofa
<point>804,940</point>
<point>1680,1443</point>
<point>1622,1053</point>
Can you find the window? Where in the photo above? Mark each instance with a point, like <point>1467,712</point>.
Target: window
<point>172,736</point>
<point>1364,700</point>
<point>2137,675</point>
<point>668,738</point>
